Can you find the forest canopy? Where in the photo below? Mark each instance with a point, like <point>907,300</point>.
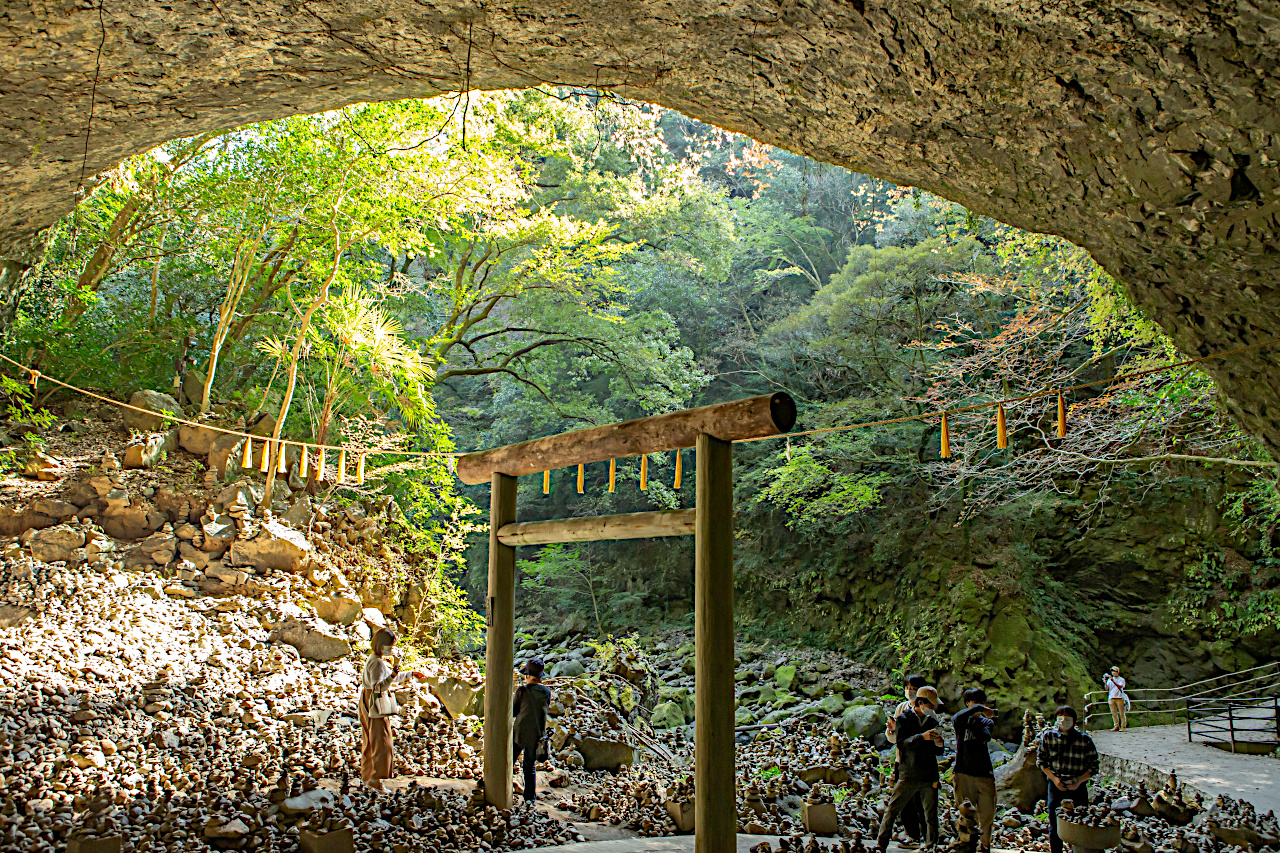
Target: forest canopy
<point>471,271</point>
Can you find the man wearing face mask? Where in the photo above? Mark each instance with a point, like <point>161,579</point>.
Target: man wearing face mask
<point>919,745</point>
<point>1069,759</point>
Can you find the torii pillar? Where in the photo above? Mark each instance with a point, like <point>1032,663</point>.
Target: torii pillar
<point>712,431</point>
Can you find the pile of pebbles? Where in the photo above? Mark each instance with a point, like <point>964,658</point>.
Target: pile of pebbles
<point>175,724</point>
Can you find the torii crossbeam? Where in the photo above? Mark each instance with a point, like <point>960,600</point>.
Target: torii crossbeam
<point>712,431</point>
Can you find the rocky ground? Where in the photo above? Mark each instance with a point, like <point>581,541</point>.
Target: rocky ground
<point>179,671</point>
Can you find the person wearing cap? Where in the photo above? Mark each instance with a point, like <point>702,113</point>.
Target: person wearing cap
<point>1069,759</point>
<point>919,745</point>
<point>377,755</point>
<point>530,711</point>
<point>1116,699</point>
<point>912,812</point>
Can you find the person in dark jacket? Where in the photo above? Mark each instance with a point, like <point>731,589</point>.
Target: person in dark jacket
<point>530,711</point>
<point>913,812</point>
<point>919,745</point>
<point>975,779</point>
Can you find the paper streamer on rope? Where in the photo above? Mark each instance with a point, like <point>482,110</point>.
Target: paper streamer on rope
<point>546,482</point>
<point>342,466</point>
<point>35,379</point>
<point>1062,416</point>
<point>946,438</point>
<point>320,466</point>
<point>246,461</point>
<point>264,458</point>
<point>360,469</point>
<point>679,470</point>
<point>1002,436</point>
<point>302,463</point>
<point>613,473</point>
<point>644,472</point>
<point>282,461</point>
<point>581,475</point>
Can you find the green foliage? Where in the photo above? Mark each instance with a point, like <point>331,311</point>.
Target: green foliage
<point>20,408</point>
<point>815,496</point>
<point>1228,595</point>
<point>904,654</point>
<point>562,579</point>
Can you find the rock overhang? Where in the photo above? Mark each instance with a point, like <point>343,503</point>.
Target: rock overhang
<point>1149,135</point>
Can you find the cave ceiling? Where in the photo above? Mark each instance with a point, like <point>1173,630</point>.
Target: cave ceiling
<point>1145,131</point>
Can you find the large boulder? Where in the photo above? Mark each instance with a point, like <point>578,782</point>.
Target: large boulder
<point>668,715</point>
<point>275,547</point>
<point>313,642</point>
<point>225,455</point>
<point>262,424</point>
<point>145,451</point>
<point>783,676</point>
<point>193,389</point>
<point>219,532</point>
<point>606,754</point>
<point>160,548</point>
<point>55,508</point>
<point>124,518</point>
<point>864,721</point>
<point>198,439</point>
<point>339,608</point>
<point>12,617</point>
<point>568,668</point>
<point>62,543</point>
<point>300,513</point>
<point>241,492</point>
<point>457,695</point>
<point>152,401</point>
<point>1019,782</point>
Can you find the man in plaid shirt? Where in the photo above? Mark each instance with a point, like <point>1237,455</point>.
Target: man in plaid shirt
<point>1069,759</point>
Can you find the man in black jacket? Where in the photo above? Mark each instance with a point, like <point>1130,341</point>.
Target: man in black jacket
<point>975,780</point>
<point>919,745</point>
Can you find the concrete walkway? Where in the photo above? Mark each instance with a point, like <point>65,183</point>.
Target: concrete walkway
<point>1150,752</point>
<point>682,844</point>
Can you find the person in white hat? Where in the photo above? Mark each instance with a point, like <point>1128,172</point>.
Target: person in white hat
<point>1117,699</point>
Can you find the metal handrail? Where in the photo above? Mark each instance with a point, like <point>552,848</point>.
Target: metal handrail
<point>1172,701</point>
<point>1181,690</point>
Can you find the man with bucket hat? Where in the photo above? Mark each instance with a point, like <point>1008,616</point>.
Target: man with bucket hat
<point>530,711</point>
<point>919,745</point>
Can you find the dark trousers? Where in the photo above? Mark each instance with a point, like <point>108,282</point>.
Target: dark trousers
<point>913,818</point>
<point>926,794</point>
<point>1079,796</point>
<point>912,812</point>
<point>530,770</point>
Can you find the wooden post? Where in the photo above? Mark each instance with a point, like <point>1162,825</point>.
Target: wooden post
<point>499,655</point>
<point>715,811</point>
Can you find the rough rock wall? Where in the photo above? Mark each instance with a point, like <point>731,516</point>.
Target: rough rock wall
<point>1145,131</point>
<point>1034,605</point>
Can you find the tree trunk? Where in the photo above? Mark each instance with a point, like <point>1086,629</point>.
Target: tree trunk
<point>321,298</point>
<point>99,264</point>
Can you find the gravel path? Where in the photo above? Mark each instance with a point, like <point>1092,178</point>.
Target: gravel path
<point>1255,778</point>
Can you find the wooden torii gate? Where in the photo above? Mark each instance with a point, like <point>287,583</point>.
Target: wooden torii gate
<point>712,431</point>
